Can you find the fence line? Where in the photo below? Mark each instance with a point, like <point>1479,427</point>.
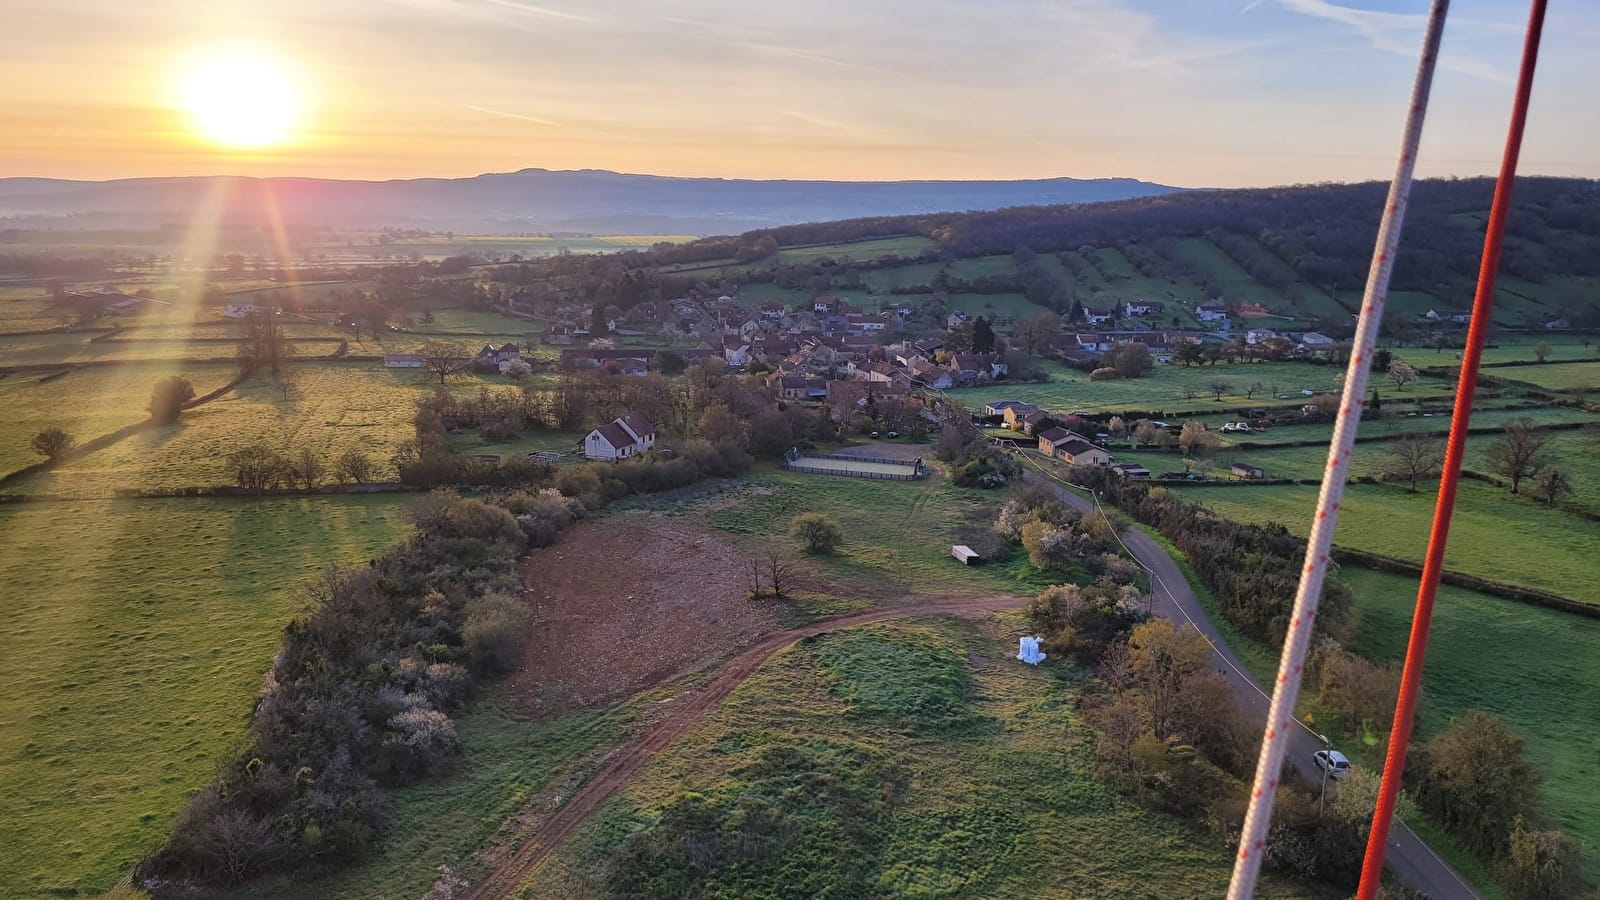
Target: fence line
<point>853,473</point>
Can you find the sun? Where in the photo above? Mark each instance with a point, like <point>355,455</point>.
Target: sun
<point>239,100</point>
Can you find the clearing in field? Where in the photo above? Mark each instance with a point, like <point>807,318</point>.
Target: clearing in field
<point>138,631</point>
<point>900,759</point>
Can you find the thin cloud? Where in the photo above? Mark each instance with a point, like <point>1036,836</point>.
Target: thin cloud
<point>511,115</point>
<point>1395,33</point>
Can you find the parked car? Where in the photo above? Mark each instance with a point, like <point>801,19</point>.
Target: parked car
<point>1242,427</point>
<point>1333,762</point>
<point>893,435</point>
<point>874,435</point>
<point>1258,412</point>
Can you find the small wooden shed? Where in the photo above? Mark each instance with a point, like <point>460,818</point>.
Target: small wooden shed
<point>966,554</point>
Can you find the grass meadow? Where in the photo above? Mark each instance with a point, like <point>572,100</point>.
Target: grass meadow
<point>86,402</point>
<point>335,407</point>
<point>137,632</point>
<point>1537,668</point>
<point>909,759</point>
<point>1493,534</point>
<point>897,533</point>
<point>1566,376</point>
<point>1169,387</point>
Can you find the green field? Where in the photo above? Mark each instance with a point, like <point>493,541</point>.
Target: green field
<point>897,533</point>
<point>1007,308</point>
<point>964,775</point>
<point>1568,376</point>
<point>1493,535</point>
<point>336,407</point>
<point>137,632</point>
<point>1538,668</point>
<point>76,347</point>
<point>87,402</point>
<point>1169,387</point>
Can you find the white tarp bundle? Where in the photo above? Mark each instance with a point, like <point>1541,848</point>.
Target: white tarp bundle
<point>1029,652</point>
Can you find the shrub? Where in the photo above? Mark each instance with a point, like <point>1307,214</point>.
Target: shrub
<point>52,443</point>
<point>1542,865</point>
<point>1104,373</point>
<point>493,632</point>
<point>816,532</point>
<point>167,399</point>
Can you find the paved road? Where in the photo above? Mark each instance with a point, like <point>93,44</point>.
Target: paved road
<point>1409,857</point>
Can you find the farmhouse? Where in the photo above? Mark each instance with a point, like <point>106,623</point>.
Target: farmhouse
<point>402,360</point>
<point>1092,343</point>
<point>1128,470</point>
<point>1245,470</point>
<point>1211,312</point>
<point>620,438</point>
<point>1144,308</point>
<point>1312,340</point>
<point>1259,335</point>
<point>1099,315</point>
<point>1458,316</point>
<point>496,355</point>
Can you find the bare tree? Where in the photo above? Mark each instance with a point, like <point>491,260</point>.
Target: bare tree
<point>1416,456</point>
<point>289,381</point>
<point>308,469</point>
<point>1520,453</point>
<point>256,467</point>
<point>444,359</point>
<point>262,343</point>
<point>1218,387</point>
<point>353,465</point>
<point>1541,351</point>
<point>1251,390</point>
<point>780,572</point>
<point>1551,485</point>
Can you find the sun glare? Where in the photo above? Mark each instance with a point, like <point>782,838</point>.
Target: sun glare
<point>240,101</point>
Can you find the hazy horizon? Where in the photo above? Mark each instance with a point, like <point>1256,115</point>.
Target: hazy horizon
<point>1213,94</point>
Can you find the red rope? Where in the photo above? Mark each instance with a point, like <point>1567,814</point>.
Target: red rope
<point>1466,388</point>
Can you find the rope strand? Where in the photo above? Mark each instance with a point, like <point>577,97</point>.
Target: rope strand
<point>1280,716</point>
<point>1466,387</point>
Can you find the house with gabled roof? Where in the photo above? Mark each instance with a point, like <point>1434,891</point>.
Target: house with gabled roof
<point>621,438</point>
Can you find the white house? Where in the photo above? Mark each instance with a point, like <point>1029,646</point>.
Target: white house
<point>239,310</point>
<point>1458,316</point>
<point>1092,343</point>
<point>1144,307</point>
<point>735,350</point>
<point>1211,312</point>
<point>1099,315</point>
<point>620,438</point>
<point>1259,335</point>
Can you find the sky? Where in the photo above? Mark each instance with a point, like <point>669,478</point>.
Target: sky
<point>1184,92</point>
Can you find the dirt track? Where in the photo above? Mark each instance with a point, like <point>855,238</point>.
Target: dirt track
<point>538,842</point>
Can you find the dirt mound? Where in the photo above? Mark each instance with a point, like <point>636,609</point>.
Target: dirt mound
<point>626,603</point>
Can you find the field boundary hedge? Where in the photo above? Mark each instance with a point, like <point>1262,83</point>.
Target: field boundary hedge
<point>1532,596</point>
